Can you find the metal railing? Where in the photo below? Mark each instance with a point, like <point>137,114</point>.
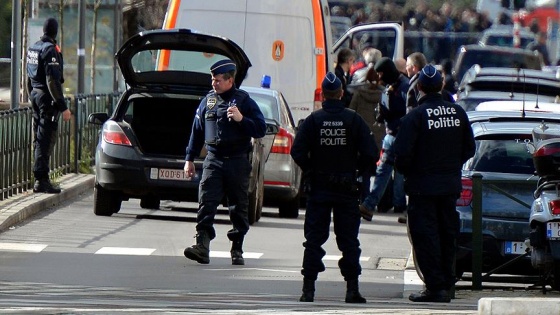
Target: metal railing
<point>74,151</point>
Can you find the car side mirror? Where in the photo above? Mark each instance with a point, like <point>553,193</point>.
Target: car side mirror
<point>98,118</point>
<point>272,126</point>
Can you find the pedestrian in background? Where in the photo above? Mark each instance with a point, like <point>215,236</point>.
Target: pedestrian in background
<point>539,45</point>
<point>414,63</point>
<point>433,181</point>
<point>44,82</point>
<point>365,102</point>
<point>344,61</point>
<point>226,120</point>
<point>392,109</point>
<point>333,147</point>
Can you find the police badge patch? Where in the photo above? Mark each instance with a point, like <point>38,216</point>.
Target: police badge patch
<point>211,102</point>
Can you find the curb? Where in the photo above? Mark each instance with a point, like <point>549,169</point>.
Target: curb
<point>18,208</point>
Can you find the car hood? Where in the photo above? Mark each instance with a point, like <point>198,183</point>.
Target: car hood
<point>177,58</point>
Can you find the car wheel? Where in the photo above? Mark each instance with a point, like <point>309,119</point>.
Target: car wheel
<point>149,203</point>
<point>105,202</point>
<point>256,201</point>
<point>289,209</point>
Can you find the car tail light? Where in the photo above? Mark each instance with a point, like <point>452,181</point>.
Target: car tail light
<point>466,193</point>
<point>547,150</point>
<point>282,142</point>
<point>554,206</point>
<point>113,134</point>
<point>317,100</point>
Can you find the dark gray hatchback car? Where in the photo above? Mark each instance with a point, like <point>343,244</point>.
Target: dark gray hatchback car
<point>501,156</point>
<point>141,149</point>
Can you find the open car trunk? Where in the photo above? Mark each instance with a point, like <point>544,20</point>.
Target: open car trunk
<point>162,125</point>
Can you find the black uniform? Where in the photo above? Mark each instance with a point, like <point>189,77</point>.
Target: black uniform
<point>44,70</point>
<point>433,182</point>
<point>333,146</point>
<point>227,167</point>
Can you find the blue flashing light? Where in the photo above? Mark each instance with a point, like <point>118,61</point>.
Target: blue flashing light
<point>265,82</point>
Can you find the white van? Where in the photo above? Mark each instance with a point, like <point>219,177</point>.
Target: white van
<point>288,40</point>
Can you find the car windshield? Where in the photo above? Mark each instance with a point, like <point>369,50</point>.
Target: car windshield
<point>174,60</point>
<point>508,155</point>
<point>506,41</point>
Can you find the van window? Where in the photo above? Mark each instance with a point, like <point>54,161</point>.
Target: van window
<point>384,40</point>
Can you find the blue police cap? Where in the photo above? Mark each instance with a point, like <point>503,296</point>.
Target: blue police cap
<point>429,76</point>
<point>331,82</point>
<point>222,67</point>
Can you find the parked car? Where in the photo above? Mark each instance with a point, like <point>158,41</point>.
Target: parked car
<point>494,56</point>
<point>141,149</point>
<point>502,35</point>
<point>282,176</point>
<point>501,155</point>
<point>511,84</point>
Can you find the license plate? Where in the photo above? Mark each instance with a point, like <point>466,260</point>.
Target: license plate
<point>514,248</point>
<point>169,174</point>
<point>553,230</point>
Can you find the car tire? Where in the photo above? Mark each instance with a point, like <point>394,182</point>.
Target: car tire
<point>289,209</point>
<point>256,201</point>
<point>105,202</point>
<point>149,203</point>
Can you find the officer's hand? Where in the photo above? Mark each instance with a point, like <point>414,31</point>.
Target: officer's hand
<point>234,113</point>
<point>189,169</point>
<point>66,115</point>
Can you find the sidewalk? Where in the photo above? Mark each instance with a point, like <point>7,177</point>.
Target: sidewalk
<point>493,300</point>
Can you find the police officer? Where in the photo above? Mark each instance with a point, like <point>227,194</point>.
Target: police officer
<point>226,120</point>
<point>333,147</point>
<point>45,78</point>
<point>433,181</point>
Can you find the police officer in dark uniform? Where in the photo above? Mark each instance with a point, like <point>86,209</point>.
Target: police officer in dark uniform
<point>45,78</point>
<point>334,146</point>
<point>226,120</point>
<point>433,181</point>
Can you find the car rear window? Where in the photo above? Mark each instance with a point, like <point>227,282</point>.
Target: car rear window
<point>506,41</point>
<point>174,60</point>
<point>508,155</point>
<point>267,105</point>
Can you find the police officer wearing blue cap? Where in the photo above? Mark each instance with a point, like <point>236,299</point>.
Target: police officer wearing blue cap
<point>433,181</point>
<point>226,120</point>
<point>44,83</point>
<point>333,147</point>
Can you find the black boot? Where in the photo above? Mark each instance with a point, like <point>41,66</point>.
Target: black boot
<point>45,186</point>
<point>308,290</point>
<point>237,252</point>
<point>353,292</point>
<point>200,252</point>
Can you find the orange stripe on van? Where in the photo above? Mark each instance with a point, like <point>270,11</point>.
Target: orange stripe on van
<point>319,24</point>
<point>169,23</point>
<point>173,11</point>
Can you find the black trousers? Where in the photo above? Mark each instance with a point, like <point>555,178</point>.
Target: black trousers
<point>433,224</point>
<point>346,221</point>
<point>227,177</point>
<point>44,132</point>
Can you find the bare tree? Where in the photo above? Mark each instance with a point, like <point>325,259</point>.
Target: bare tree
<point>96,5</point>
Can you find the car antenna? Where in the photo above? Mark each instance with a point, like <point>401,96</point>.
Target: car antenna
<point>524,88</point>
<point>537,99</point>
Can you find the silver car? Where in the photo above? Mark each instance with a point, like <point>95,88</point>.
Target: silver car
<point>282,176</point>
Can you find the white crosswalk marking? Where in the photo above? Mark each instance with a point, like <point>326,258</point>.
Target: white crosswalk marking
<point>18,247</point>
<point>125,251</point>
<point>246,255</point>
<point>335,257</point>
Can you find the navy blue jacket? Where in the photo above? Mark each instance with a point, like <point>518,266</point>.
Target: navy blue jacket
<point>433,142</point>
<point>334,142</point>
<point>235,137</point>
<point>393,104</point>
